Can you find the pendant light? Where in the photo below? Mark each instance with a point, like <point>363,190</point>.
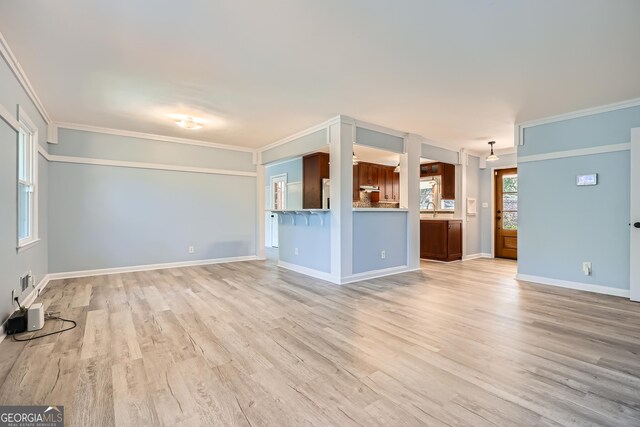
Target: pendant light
<point>397,169</point>
<point>492,157</point>
<point>355,158</point>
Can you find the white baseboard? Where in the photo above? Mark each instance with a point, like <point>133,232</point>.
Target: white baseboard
<point>377,273</point>
<point>574,285</point>
<point>35,292</point>
<point>322,275</point>
<point>148,267</point>
<point>476,256</point>
<point>349,279</point>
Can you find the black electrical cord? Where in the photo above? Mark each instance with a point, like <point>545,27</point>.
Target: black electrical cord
<point>50,333</point>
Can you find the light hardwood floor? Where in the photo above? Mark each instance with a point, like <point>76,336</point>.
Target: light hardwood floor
<point>250,344</point>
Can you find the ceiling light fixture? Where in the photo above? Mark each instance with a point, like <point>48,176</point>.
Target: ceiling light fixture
<point>355,158</point>
<point>492,157</point>
<point>189,123</point>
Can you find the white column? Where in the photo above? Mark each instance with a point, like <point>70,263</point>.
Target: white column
<point>341,174</point>
<point>462,187</point>
<point>260,211</point>
<point>410,196</point>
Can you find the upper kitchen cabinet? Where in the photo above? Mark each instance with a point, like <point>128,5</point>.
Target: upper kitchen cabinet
<point>381,176</point>
<point>368,174</point>
<point>315,168</point>
<point>447,172</point>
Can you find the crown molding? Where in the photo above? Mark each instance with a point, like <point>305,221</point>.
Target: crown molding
<point>150,136</point>
<point>304,132</point>
<point>14,65</point>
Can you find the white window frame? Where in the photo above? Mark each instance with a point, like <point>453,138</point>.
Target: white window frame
<point>27,126</point>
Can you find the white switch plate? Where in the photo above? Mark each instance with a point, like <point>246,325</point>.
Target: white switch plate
<point>485,205</point>
<point>295,251</point>
<point>586,268</point>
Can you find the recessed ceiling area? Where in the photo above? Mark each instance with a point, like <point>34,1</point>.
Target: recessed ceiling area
<point>458,72</point>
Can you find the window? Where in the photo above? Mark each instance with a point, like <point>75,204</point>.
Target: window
<point>27,181</point>
<point>510,202</point>
<point>427,197</point>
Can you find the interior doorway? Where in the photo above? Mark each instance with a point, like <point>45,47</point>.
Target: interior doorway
<point>278,201</point>
<point>506,213</point>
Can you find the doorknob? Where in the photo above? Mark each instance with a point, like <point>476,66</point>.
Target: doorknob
<point>636,224</point>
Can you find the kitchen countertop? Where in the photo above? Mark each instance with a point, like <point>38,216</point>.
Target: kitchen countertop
<point>380,210</point>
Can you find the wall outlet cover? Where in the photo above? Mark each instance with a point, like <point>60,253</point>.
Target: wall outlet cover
<point>192,249</point>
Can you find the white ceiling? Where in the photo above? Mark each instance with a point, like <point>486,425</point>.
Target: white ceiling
<point>460,72</point>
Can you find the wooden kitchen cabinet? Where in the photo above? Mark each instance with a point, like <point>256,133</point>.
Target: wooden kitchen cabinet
<point>315,167</point>
<point>380,176</point>
<point>447,172</point>
<point>441,240</point>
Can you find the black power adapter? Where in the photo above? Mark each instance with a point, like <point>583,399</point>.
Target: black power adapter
<point>17,323</point>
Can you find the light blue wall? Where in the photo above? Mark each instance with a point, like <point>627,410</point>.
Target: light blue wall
<point>313,242</point>
<point>439,154</point>
<point>298,147</point>
<point>374,232</point>
<point>562,225</point>
<point>379,140</point>
<point>582,132</point>
<point>107,217</point>
<point>13,264</point>
<point>77,143</point>
<point>293,169</point>
<point>486,214</point>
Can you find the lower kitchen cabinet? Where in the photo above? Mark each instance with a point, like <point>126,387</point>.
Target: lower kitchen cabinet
<point>441,239</point>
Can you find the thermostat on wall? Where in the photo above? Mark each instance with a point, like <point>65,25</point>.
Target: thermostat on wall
<point>591,179</point>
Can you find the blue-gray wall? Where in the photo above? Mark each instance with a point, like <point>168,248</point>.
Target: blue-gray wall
<point>107,217</point>
<point>378,231</point>
<point>382,141</point>
<point>35,258</point>
<point>293,169</point>
<point>313,242</point>
<point>562,225</point>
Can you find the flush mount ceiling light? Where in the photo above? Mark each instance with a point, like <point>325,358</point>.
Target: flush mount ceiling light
<point>189,123</point>
<point>492,157</point>
<point>355,158</point>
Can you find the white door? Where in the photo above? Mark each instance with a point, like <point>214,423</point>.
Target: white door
<point>635,215</point>
<point>278,201</point>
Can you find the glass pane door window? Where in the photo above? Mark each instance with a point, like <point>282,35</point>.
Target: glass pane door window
<point>26,184</point>
<point>510,202</point>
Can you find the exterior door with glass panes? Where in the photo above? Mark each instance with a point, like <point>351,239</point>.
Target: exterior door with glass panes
<point>506,213</point>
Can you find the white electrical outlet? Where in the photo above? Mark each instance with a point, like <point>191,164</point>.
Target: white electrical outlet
<point>192,249</point>
<point>586,268</point>
<point>295,251</point>
<point>383,254</point>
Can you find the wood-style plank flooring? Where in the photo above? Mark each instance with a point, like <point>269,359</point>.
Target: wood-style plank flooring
<point>253,345</point>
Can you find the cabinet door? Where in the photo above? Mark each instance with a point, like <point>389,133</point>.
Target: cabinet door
<point>448,181</point>
<point>364,174</point>
<point>395,187</point>
<point>454,240</point>
<point>373,175</point>
<point>356,183</point>
<point>386,184</point>
<point>433,240</point>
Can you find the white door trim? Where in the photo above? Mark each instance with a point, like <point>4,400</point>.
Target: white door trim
<point>634,191</point>
<point>273,220</point>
